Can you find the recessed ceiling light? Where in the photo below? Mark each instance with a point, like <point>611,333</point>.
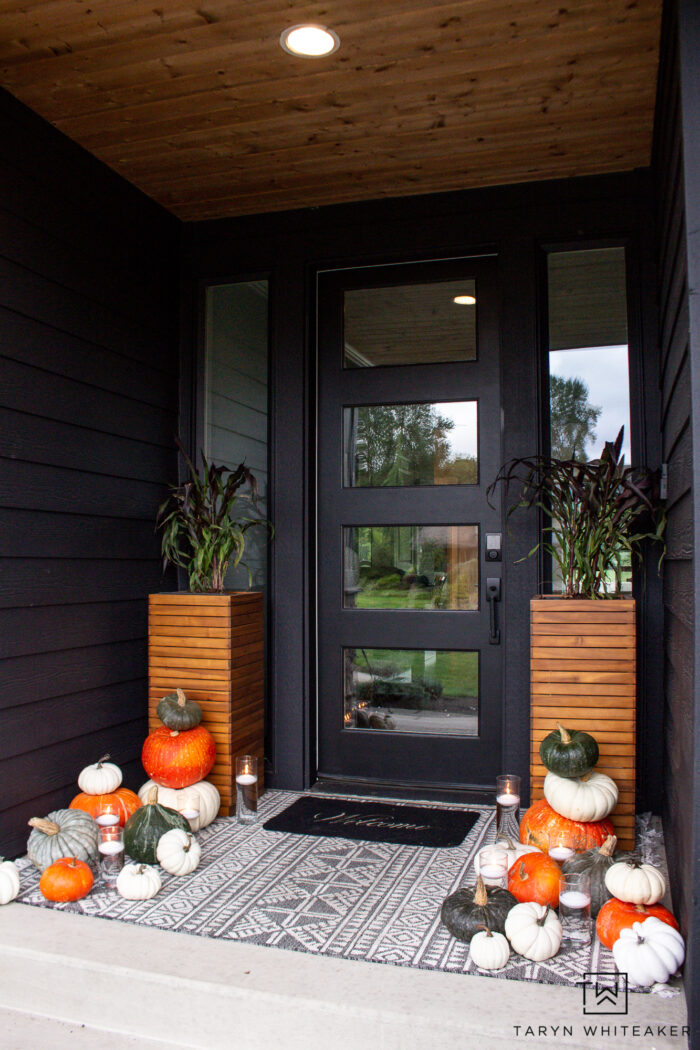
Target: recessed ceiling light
<point>464,300</point>
<point>309,41</point>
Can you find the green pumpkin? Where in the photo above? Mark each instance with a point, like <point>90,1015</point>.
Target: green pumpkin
<point>569,752</point>
<point>595,862</point>
<point>145,827</point>
<point>466,911</point>
<point>177,712</point>
<point>63,833</point>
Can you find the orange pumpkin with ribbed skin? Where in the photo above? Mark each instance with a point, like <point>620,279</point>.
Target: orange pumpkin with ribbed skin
<point>67,879</point>
<point>535,877</point>
<point>542,826</point>
<point>178,759</point>
<point>122,802</point>
<point>617,915</point>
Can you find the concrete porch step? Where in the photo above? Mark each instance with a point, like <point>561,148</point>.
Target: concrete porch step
<point>122,987</point>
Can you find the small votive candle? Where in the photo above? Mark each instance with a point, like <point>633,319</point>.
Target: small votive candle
<point>561,852</point>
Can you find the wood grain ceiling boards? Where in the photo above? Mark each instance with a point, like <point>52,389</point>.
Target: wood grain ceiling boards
<point>198,105</point>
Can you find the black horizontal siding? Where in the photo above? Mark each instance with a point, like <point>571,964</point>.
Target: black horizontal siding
<point>88,410</point>
<point>677,177</point>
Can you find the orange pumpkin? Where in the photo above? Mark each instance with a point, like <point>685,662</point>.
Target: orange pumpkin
<point>542,826</point>
<point>177,759</point>
<point>617,915</point>
<point>122,802</point>
<point>535,877</point>
<point>67,879</point>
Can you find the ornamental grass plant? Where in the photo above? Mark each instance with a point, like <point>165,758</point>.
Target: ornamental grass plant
<point>598,513</point>
<point>205,522</point>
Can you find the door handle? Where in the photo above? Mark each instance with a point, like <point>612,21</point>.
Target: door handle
<point>493,595</point>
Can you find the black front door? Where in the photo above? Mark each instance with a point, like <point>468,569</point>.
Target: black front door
<point>409,437</point>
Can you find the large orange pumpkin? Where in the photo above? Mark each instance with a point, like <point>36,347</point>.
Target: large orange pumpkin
<point>542,826</point>
<point>535,877</point>
<point>67,879</point>
<point>178,759</point>
<point>616,915</point>
<point>122,802</point>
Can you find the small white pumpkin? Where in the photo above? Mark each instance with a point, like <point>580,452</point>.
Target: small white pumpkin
<point>634,882</point>
<point>138,882</point>
<point>489,951</point>
<point>534,931</point>
<point>649,952</point>
<point>101,778</point>
<point>205,794</point>
<point>588,798</point>
<point>9,881</point>
<point>513,851</point>
<point>178,852</point>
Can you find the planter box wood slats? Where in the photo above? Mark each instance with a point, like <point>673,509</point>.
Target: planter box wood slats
<point>583,674</point>
<point>212,646</point>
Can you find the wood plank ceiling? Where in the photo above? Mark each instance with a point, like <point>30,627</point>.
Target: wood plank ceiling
<point>195,102</point>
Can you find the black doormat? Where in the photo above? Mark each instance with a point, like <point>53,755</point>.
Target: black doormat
<point>374,821</point>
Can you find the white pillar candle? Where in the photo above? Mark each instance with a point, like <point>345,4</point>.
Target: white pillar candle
<point>107,820</point>
<point>246,778</point>
<point>574,899</point>
<point>508,800</point>
<point>561,852</point>
<point>111,847</point>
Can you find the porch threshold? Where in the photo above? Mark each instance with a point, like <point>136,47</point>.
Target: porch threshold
<point>81,981</point>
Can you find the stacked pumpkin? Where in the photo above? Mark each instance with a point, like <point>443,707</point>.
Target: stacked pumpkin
<point>177,756</point>
<point>101,792</point>
<point>577,801</point>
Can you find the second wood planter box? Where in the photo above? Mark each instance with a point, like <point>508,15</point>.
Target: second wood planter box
<point>211,645</point>
<point>583,675</point>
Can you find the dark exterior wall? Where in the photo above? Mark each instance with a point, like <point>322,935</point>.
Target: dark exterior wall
<point>677,173</point>
<point>517,223</point>
<point>88,408</point>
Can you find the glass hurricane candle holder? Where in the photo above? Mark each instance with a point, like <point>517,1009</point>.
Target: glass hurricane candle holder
<point>575,909</point>
<point>190,807</point>
<point>560,852</point>
<point>110,849</point>
<point>508,806</point>
<point>246,789</point>
<point>108,816</point>
<point>493,866</point>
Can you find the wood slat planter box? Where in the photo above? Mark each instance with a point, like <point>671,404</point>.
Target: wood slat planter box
<point>212,646</point>
<point>583,674</point>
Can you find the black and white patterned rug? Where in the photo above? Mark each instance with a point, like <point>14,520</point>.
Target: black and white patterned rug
<point>373,901</point>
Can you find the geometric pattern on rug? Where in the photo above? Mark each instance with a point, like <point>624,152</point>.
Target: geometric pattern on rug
<point>347,899</point>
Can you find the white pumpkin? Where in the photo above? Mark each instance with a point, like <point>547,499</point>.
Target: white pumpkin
<point>206,796</point>
<point>138,882</point>
<point>649,952</point>
<point>533,930</point>
<point>636,883</point>
<point>101,778</point>
<point>9,881</point>
<point>588,798</point>
<point>178,852</point>
<point>489,951</point>
<point>513,851</point>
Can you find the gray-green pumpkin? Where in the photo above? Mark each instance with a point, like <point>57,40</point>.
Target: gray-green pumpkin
<point>63,833</point>
<point>466,911</point>
<point>569,752</point>
<point>145,827</point>
<point>177,712</point>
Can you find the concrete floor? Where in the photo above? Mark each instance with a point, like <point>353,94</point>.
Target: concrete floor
<point>69,981</point>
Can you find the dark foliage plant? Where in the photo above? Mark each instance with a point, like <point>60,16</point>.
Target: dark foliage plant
<point>203,529</point>
<point>598,514</point>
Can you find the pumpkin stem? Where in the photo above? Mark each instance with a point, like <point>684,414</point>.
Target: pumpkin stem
<point>486,930</point>
<point>608,847</point>
<point>181,698</point>
<point>152,796</point>
<point>542,921</point>
<point>523,874</point>
<point>187,848</point>
<point>481,897</point>
<point>142,868</point>
<point>565,734</point>
<point>42,824</point>
<point>98,764</point>
<point>508,841</point>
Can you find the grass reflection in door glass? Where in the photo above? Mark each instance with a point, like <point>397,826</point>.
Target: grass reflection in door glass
<point>425,691</point>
